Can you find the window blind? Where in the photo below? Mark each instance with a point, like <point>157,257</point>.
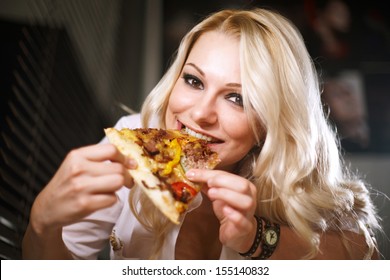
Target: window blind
<point>47,109</point>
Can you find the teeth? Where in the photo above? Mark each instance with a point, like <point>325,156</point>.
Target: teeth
<point>198,135</point>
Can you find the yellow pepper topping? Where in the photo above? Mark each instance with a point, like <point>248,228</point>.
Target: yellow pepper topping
<point>174,145</point>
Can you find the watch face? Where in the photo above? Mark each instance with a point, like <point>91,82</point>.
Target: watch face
<point>271,237</point>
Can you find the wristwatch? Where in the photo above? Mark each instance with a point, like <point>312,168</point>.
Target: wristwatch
<point>271,236</point>
<point>270,240</point>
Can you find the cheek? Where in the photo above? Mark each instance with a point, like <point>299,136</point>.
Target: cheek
<point>240,133</point>
<point>241,142</point>
<point>239,129</point>
<point>177,103</point>
<point>247,138</point>
<point>169,114</point>
<point>174,103</point>
<point>180,100</point>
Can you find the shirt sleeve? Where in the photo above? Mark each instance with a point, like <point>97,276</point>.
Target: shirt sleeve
<point>88,237</point>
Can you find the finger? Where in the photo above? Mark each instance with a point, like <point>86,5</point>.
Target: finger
<point>103,152</point>
<point>101,168</point>
<point>239,201</point>
<point>95,169</point>
<point>114,168</point>
<point>213,178</point>
<point>100,201</point>
<point>108,183</point>
<point>236,217</point>
<point>81,207</point>
<point>83,185</point>
<point>96,152</point>
<point>200,175</point>
<point>221,179</point>
<point>129,180</point>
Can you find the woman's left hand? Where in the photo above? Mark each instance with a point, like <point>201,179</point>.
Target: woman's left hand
<point>234,203</point>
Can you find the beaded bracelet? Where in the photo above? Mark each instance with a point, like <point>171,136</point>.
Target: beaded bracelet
<point>258,238</point>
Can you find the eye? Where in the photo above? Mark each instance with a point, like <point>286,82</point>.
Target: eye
<point>235,98</point>
<point>193,81</point>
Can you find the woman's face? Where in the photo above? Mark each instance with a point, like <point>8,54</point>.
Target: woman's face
<point>207,100</point>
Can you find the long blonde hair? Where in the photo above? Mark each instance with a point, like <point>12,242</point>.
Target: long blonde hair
<point>301,183</point>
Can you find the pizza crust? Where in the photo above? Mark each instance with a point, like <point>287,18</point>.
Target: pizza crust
<point>142,175</point>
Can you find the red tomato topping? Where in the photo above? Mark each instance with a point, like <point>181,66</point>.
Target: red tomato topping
<point>183,192</point>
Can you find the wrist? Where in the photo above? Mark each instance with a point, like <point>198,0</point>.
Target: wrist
<point>39,224</point>
<point>256,238</point>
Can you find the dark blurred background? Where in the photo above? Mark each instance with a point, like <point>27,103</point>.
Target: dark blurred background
<point>70,68</point>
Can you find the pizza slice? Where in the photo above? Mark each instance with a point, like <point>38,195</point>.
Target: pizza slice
<point>163,156</point>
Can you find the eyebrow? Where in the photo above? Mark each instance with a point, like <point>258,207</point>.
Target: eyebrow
<point>203,74</point>
<point>196,67</point>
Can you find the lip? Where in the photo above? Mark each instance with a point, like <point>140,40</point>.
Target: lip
<point>214,140</point>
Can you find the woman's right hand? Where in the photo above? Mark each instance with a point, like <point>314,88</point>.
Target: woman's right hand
<point>85,182</point>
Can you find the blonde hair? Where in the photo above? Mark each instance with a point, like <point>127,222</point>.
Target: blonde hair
<point>302,183</point>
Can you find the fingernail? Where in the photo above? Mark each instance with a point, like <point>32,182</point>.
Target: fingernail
<point>190,174</point>
<point>131,163</point>
<point>212,191</point>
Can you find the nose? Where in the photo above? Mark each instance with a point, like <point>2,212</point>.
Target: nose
<point>205,112</point>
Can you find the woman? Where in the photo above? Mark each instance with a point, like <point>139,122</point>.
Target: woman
<point>244,80</point>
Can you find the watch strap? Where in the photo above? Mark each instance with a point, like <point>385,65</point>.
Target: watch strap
<point>257,240</point>
<point>267,249</point>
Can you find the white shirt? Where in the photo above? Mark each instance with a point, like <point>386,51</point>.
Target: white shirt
<point>87,238</point>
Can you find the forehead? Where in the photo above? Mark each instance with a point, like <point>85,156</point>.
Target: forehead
<point>215,42</point>
<point>216,50</point>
